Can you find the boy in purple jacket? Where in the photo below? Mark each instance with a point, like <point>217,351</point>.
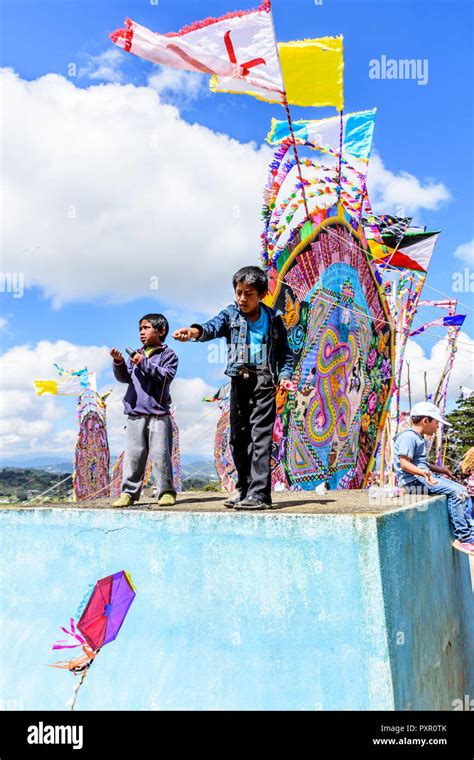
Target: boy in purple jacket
<point>148,374</point>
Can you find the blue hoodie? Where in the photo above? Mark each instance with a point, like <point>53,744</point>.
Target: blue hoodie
<point>148,381</point>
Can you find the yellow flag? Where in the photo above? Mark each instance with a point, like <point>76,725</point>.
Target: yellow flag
<point>46,386</point>
<point>313,73</point>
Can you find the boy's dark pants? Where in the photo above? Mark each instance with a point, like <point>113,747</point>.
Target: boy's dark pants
<point>252,416</point>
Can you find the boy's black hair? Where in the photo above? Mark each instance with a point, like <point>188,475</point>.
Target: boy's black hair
<point>252,276</point>
<point>158,321</point>
<point>417,419</point>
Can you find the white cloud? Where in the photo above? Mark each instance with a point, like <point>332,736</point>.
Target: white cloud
<point>402,193</point>
<point>113,195</point>
<point>4,323</point>
<point>115,189</point>
<point>104,67</point>
<point>47,424</point>
<point>178,86</point>
<point>465,252</point>
<point>433,364</point>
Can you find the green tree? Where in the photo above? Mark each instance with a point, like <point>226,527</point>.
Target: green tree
<point>460,437</point>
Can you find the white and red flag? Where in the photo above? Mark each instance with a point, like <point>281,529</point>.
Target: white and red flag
<point>241,45</point>
<point>448,303</point>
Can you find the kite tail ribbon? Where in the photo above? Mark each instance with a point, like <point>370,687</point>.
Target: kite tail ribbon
<point>73,635</point>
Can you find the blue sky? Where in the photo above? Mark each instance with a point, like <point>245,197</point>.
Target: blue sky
<point>425,130</point>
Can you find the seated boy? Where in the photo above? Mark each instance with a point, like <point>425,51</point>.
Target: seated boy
<point>259,359</point>
<point>148,374</point>
<point>410,462</point>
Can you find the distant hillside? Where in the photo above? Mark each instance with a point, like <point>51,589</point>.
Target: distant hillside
<point>191,465</point>
<point>23,484</point>
<point>48,464</point>
<point>198,468</point>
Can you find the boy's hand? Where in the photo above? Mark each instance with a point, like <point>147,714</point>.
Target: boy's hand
<point>429,478</point>
<point>186,333</point>
<point>286,385</point>
<point>116,356</point>
<point>445,471</point>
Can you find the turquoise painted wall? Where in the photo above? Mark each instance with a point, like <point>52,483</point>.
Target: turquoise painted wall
<point>235,611</point>
<point>429,607</point>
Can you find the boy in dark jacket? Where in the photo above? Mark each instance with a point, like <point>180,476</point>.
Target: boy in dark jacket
<point>148,374</point>
<point>259,359</point>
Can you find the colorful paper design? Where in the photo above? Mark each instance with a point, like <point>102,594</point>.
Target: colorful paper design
<point>328,429</point>
<point>326,180</point>
<point>92,455</point>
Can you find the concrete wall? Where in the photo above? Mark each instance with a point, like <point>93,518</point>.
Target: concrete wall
<point>429,608</point>
<point>235,611</point>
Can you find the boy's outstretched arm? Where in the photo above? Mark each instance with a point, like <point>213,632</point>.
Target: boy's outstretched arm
<point>407,466</point>
<point>121,371</point>
<point>186,333</point>
<point>217,327</point>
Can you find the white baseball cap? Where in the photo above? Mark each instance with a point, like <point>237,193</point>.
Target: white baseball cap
<point>427,409</point>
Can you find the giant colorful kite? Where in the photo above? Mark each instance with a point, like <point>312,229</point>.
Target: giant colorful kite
<point>325,251</point>
<point>91,457</point>
<point>327,430</point>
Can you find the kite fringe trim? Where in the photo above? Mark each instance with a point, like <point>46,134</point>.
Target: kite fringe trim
<point>264,7</point>
<point>125,36</point>
<point>296,43</point>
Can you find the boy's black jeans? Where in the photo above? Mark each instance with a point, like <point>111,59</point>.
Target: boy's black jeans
<point>252,416</point>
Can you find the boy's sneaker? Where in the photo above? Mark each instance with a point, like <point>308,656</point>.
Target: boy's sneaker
<point>464,546</point>
<point>249,503</point>
<point>124,501</point>
<point>167,499</point>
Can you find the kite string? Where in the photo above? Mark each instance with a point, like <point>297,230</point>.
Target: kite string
<point>297,158</point>
<point>77,687</point>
